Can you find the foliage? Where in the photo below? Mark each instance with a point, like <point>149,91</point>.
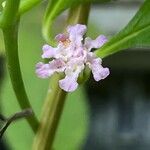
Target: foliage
<point>135,34</point>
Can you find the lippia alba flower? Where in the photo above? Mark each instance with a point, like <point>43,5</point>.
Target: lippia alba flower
<point>71,56</point>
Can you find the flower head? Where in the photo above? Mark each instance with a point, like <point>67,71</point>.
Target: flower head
<point>71,56</point>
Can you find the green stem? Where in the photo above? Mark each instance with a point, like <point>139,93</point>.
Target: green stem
<point>9,24</point>
<point>52,111</point>
<point>12,10</point>
<point>75,14</point>
<point>8,16</point>
<point>47,23</point>
<point>27,5</point>
<point>54,103</point>
<point>11,46</point>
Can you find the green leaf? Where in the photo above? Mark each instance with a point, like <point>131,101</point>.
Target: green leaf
<point>54,9</point>
<point>135,34</point>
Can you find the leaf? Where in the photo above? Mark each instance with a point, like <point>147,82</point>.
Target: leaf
<point>54,9</point>
<point>135,34</point>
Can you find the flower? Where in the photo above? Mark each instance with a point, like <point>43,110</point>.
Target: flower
<point>71,56</point>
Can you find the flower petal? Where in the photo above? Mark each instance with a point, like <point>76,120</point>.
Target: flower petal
<point>76,29</point>
<point>72,71</point>
<point>57,65</point>
<point>76,33</point>
<point>98,71</point>
<point>97,43</point>
<point>61,37</point>
<point>68,84</point>
<point>90,57</point>
<point>43,70</point>
<point>48,51</point>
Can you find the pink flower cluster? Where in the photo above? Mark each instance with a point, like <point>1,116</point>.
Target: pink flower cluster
<point>71,56</point>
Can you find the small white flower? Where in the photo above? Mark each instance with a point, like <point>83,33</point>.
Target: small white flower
<point>71,56</point>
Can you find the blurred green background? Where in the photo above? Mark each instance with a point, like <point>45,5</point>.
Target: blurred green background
<point>74,122</point>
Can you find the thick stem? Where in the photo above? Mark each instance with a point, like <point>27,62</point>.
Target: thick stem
<point>11,46</point>
<point>27,5</point>
<point>52,111</point>
<point>13,9</point>
<point>54,103</point>
<point>79,14</point>
<point>8,16</point>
